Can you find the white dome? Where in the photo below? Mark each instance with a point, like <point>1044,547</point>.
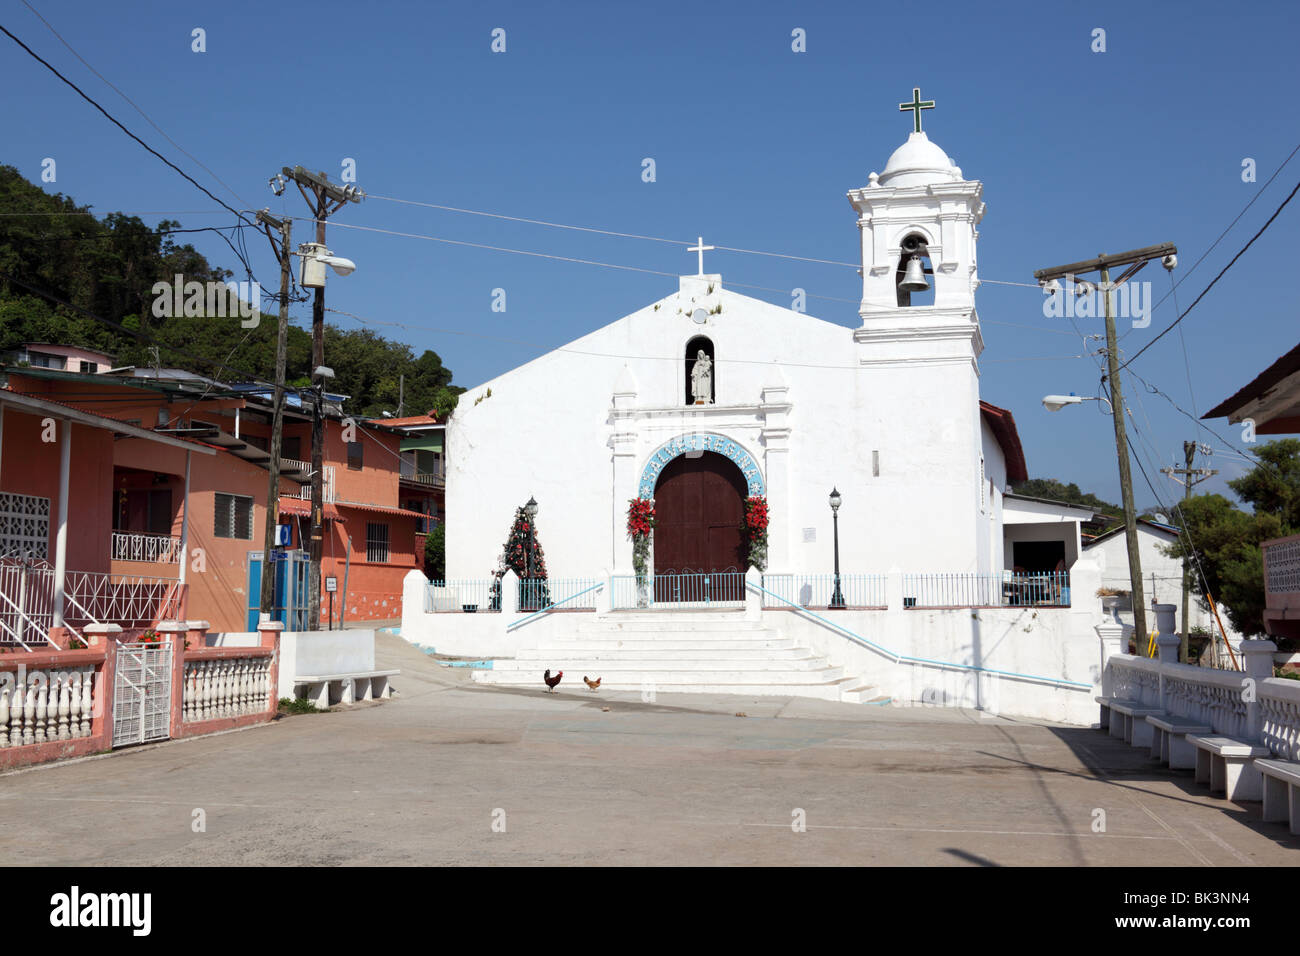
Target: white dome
<point>919,162</point>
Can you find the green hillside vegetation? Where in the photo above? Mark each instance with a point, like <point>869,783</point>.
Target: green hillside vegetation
<point>108,266</point>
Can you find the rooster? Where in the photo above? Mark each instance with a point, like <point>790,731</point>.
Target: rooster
<point>593,684</point>
<point>551,682</point>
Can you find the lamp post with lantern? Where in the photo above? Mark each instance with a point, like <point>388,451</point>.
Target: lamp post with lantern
<point>837,599</point>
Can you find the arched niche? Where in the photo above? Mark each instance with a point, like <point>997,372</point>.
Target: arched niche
<point>698,344</point>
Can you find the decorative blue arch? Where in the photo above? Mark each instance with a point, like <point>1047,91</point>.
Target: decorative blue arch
<point>701,441</point>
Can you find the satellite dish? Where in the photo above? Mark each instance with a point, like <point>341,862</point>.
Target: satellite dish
<point>700,316</point>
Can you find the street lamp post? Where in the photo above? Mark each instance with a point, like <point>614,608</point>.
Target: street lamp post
<point>837,599</point>
<point>530,509</point>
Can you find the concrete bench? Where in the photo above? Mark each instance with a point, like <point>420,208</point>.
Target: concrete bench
<point>1132,725</point>
<point>1169,739</point>
<point>1281,791</point>
<point>1116,728</point>
<point>324,690</point>
<point>1228,764</point>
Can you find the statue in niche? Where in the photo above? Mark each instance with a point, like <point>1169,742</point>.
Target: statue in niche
<point>702,379</point>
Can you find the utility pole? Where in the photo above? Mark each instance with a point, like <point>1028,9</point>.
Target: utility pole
<point>1191,477</point>
<point>324,198</point>
<point>1135,260</point>
<point>283,252</point>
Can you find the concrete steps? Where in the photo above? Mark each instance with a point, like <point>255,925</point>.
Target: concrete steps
<point>692,652</point>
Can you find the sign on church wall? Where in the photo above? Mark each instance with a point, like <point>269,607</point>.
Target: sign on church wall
<point>718,444</point>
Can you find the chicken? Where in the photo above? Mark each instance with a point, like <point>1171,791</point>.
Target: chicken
<point>593,684</point>
<point>551,682</point>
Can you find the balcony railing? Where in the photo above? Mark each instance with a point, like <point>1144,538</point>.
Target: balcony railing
<point>819,590</point>
<point>714,589</point>
<point>128,600</point>
<point>435,479</point>
<point>327,485</point>
<point>150,548</point>
<point>1004,589</point>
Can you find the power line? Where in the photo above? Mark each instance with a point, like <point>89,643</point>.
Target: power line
<point>133,105</point>
<point>139,212</point>
<point>578,260</point>
<point>662,239</point>
<point>1230,264</point>
<point>546,349</point>
<point>32,53</point>
<point>1186,275</point>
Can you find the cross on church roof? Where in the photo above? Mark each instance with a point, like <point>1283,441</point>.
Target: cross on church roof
<point>701,248</point>
<point>916,106</point>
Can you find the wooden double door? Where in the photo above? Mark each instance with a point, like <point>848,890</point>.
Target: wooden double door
<point>700,511</point>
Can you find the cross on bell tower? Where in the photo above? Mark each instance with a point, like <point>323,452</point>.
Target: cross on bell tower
<point>916,106</point>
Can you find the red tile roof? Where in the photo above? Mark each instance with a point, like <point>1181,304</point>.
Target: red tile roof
<point>1004,430</point>
<point>429,419</point>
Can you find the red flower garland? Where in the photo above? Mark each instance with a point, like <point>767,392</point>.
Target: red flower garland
<point>640,517</point>
<point>755,529</point>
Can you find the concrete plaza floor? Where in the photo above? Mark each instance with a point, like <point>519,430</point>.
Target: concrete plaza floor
<point>433,776</point>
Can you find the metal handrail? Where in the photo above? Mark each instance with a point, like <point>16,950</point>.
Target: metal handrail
<point>907,658</point>
<point>524,620</point>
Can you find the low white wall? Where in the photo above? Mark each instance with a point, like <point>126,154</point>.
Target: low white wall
<point>232,639</point>
<point>481,634</point>
<point>1021,651</point>
<point>312,653</point>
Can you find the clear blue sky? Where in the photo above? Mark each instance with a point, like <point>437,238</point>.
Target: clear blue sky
<point>755,147</point>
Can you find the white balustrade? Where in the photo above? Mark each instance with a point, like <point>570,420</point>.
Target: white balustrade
<point>41,706</point>
<point>150,548</point>
<point>226,687</point>
<point>1279,702</point>
<point>1135,678</point>
<point>1221,699</point>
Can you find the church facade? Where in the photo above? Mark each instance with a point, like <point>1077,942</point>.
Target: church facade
<point>707,397</point>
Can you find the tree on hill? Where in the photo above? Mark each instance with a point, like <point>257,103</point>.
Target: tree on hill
<point>109,267</point>
<point>1225,540</point>
<point>1070,494</point>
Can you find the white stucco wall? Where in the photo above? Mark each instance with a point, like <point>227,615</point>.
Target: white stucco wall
<point>575,429</point>
<point>1111,556</point>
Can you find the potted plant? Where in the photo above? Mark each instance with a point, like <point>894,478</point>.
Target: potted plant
<point>1111,598</point>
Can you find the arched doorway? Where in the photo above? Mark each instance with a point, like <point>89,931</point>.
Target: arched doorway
<point>700,509</point>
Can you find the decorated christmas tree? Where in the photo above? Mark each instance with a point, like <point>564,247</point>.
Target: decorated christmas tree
<point>533,590</point>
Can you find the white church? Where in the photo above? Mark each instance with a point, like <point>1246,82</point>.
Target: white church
<point>707,397</point>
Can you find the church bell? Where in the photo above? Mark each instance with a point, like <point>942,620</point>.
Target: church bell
<point>914,278</point>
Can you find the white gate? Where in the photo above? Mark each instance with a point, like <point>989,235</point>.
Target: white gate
<point>142,693</point>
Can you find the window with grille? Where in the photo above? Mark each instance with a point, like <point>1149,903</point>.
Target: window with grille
<point>24,526</point>
<point>354,456</point>
<point>376,541</point>
<point>233,517</point>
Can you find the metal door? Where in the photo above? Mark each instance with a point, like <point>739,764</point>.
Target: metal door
<point>142,693</point>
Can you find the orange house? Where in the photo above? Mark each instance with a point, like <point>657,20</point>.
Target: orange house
<point>167,497</point>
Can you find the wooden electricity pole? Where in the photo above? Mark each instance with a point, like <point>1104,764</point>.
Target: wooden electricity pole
<point>324,198</point>
<point>283,252</point>
<point>1191,477</point>
<point>1135,260</point>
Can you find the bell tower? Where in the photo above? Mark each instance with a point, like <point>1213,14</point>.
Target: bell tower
<point>917,349</point>
<point>917,220</point>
